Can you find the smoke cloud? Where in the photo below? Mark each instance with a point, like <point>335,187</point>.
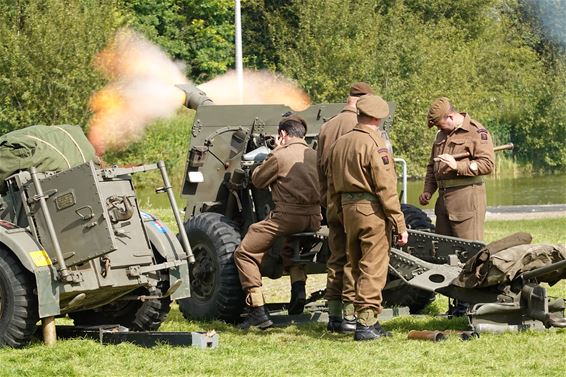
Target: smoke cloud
<point>142,89</point>
<point>260,87</point>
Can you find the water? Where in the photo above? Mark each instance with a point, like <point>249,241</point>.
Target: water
<point>547,189</point>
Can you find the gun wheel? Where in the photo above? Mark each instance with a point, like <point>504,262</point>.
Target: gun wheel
<point>416,218</point>
<point>216,292</point>
<point>18,303</point>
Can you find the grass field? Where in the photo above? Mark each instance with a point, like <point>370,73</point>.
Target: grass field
<point>308,349</point>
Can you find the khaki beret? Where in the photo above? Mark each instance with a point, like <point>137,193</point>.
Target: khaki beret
<point>359,89</point>
<point>293,118</point>
<point>438,110</point>
<point>373,106</point>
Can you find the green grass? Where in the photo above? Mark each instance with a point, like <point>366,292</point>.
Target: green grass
<point>310,350</point>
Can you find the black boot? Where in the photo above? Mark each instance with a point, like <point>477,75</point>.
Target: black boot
<point>256,317</point>
<point>342,325</point>
<point>382,331</point>
<point>366,332</point>
<point>298,298</point>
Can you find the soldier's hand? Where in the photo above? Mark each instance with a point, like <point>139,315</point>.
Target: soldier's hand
<point>425,198</point>
<point>449,160</point>
<point>278,140</point>
<point>403,238</point>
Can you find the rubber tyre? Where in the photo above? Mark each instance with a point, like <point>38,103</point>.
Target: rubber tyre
<point>216,292</point>
<point>405,295</point>
<point>416,218</point>
<point>135,315</point>
<point>18,303</point>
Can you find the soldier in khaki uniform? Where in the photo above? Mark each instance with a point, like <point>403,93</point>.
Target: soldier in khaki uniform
<point>290,172</point>
<point>363,184</point>
<point>461,205</point>
<point>340,291</point>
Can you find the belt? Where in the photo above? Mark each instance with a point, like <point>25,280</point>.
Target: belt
<point>457,182</point>
<point>358,196</point>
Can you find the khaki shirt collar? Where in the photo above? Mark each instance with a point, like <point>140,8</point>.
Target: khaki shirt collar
<point>349,108</point>
<point>465,126</point>
<point>297,140</point>
<point>364,128</point>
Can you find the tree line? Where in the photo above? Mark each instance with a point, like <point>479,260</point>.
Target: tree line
<point>503,61</point>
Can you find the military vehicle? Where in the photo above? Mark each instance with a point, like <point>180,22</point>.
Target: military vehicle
<point>221,203</point>
<point>74,242</point>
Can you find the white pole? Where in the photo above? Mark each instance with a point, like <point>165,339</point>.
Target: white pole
<point>239,65</point>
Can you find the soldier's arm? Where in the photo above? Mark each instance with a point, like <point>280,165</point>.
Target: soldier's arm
<point>333,198</point>
<point>266,173</point>
<point>385,179</point>
<point>321,170</point>
<point>430,185</point>
<point>482,160</point>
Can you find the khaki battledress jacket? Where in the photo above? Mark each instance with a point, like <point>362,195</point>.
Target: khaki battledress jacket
<point>363,183</point>
<point>290,172</point>
<point>340,283</point>
<point>461,205</point>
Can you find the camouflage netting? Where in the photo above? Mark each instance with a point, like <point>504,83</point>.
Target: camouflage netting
<point>48,148</point>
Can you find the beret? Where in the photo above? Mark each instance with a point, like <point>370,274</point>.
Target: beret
<point>373,106</point>
<point>438,110</point>
<point>359,89</point>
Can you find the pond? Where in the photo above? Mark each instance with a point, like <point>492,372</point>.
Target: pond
<point>546,189</point>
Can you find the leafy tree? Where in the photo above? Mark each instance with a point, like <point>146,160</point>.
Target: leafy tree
<point>46,49</point>
<point>412,51</point>
<point>199,33</point>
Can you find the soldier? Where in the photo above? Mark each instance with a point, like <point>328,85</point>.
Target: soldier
<point>363,184</point>
<point>290,172</point>
<point>340,292</point>
<point>461,205</point>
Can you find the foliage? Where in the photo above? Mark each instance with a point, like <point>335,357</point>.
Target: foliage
<point>503,61</point>
<point>46,75</point>
<point>199,33</point>
<point>472,51</point>
<point>165,140</point>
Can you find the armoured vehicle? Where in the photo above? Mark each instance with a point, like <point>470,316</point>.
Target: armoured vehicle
<point>75,243</point>
<point>221,203</point>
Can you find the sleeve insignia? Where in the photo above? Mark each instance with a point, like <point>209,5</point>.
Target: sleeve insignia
<point>483,133</point>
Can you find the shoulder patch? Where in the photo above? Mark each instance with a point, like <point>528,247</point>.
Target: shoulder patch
<point>385,160</point>
<point>382,150</point>
<point>483,133</point>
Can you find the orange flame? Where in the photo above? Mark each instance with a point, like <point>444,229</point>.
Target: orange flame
<point>141,90</point>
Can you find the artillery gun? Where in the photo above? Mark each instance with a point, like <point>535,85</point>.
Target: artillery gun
<point>221,203</point>
<point>75,243</point>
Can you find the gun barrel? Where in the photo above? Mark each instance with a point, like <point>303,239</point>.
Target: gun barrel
<point>194,97</point>
<point>498,148</point>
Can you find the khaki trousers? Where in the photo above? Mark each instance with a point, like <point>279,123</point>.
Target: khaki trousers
<point>339,281</point>
<point>367,233</point>
<point>460,212</point>
<point>261,236</point>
